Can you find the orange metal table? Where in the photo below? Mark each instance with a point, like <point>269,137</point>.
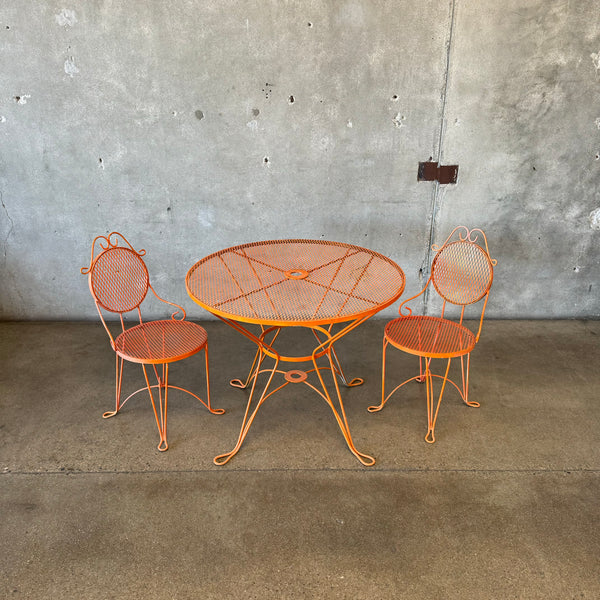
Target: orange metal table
<point>311,284</point>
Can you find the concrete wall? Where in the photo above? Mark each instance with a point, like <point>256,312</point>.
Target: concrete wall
<point>192,125</point>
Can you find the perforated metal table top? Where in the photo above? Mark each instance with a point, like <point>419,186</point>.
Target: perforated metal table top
<point>295,282</point>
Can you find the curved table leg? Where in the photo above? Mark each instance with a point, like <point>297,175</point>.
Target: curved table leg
<point>338,370</point>
<point>249,415</point>
<point>340,415</point>
<point>264,350</point>
<point>238,383</point>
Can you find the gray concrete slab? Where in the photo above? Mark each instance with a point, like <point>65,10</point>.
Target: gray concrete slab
<point>504,505</point>
<point>301,534</point>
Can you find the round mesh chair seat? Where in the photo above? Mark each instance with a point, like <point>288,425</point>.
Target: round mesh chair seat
<point>159,342</point>
<point>430,336</point>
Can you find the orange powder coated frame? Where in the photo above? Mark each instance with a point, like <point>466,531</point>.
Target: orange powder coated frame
<point>462,273</point>
<point>119,283</point>
<point>310,284</point>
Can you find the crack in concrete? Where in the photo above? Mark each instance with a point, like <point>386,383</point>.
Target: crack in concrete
<point>12,225</point>
<point>436,196</point>
<point>71,472</point>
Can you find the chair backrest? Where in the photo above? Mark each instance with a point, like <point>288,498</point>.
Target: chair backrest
<point>118,276</point>
<point>119,281</point>
<point>462,271</point>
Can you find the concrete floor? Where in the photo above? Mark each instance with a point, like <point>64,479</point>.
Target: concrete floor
<point>506,503</point>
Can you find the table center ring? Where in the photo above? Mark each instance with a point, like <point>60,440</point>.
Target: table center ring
<point>295,376</point>
<point>296,274</point>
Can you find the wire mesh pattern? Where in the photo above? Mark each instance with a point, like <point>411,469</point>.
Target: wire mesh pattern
<point>462,273</point>
<point>158,342</point>
<point>430,336</point>
<point>282,282</point>
<point>119,280</point>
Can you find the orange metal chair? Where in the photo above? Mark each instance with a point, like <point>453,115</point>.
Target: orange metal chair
<point>461,273</point>
<point>119,283</point>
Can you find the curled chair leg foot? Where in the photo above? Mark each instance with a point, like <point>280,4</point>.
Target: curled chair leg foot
<point>222,459</point>
<point>430,437</point>
<point>108,414</point>
<point>163,446</point>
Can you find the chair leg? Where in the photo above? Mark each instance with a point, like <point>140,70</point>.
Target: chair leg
<point>426,376</point>
<point>431,414</point>
<point>383,372</point>
<point>214,411</point>
<point>465,381</point>
<point>118,381</point>
<point>378,407</point>
<point>162,384</point>
<point>207,379</point>
<point>385,398</point>
<point>421,377</point>
<point>161,414</point>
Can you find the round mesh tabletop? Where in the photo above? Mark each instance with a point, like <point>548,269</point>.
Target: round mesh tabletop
<point>295,282</point>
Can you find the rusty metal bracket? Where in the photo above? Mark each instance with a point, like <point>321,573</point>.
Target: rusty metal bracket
<point>432,171</point>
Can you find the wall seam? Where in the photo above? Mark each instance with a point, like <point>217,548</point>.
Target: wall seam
<point>437,191</point>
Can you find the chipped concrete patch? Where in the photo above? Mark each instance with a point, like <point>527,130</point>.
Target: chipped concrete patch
<point>594,219</point>
<point>206,217</point>
<point>22,99</point>
<point>70,68</point>
<point>66,17</point>
<point>596,60</point>
<point>397,120</point>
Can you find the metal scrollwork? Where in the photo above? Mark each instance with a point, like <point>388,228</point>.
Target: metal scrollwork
<point>105,242</point>
<point>467,235</point>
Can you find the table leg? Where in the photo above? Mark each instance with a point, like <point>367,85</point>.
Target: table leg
<point>249,415</point>
<point>340,415</point>
<point>338,370</point>
<point>255,367</point>
<point>266,349</point>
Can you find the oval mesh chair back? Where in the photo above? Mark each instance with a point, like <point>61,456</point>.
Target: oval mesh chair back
<point>119,280</point>
<point>462,272</point>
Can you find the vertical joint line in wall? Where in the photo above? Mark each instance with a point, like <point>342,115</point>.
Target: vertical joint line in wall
<point>446,80</point>
<point>436,189</point>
